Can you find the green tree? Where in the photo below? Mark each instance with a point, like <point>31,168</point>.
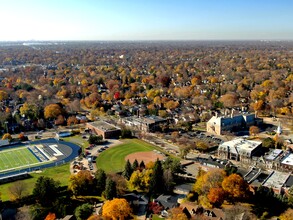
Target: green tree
<point>173,164</point>
<point>83,212</point>
<point>127,170</point>
<point>268,143</point>
<point>95,139</point>
<point>45,190</point>
<point>110,190</point>
<point>156,182</point>
<point>141,165</point>
<point>100,181</point>
<point>30,110</point>
<point>135,165</point>
<point>126,133</point>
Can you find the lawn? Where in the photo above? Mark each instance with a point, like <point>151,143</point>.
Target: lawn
<point>112,159</point>
<point>16,158</point>
<point>77,139</point>
<point>58,173</point>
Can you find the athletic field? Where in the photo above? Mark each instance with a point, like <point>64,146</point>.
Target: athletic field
<point>16,158</point>
<point>113,159</point>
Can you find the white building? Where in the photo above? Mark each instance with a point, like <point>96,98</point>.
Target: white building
<point>239,149</point>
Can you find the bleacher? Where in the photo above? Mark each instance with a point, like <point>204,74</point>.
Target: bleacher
<point>48,150</point>
<point>38,153</point>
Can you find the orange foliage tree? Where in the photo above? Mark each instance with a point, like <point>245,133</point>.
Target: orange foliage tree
<point>52,111</point>
<point>50,216</point>
<point>116,209</point>
<point>236,187</point>
<point>216,196</point>
<point>253,130</point>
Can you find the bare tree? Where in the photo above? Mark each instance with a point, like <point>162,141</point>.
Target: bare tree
<point>18,190</point>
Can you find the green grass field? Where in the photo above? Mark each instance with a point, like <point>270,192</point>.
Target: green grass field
<point>112,159</point>
<point>59,173</point>
<point>16,158</point>
<point>77,139</point>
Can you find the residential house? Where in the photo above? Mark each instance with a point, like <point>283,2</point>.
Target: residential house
<point>138,202</point>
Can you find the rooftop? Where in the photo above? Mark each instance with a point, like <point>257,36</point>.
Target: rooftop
<point>151,119</point>
<point>274,154</point>
<point>104,126</point>
<point>288,160</point>
<point>240,146</point>
<point>276,179</point>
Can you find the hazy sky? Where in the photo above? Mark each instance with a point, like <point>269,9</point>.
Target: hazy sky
<point>146,19</point>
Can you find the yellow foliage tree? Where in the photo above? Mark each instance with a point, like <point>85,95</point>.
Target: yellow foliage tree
<point>116,209</point>
<point>7,136</point>
<point>177,214</point>
<point>52,111</point>
<point>3,95</point>
<point>287,215</point>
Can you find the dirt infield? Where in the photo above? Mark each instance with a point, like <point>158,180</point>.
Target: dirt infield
<point>145,156</point>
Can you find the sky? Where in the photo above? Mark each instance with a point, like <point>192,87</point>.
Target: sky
<point>146,20</point>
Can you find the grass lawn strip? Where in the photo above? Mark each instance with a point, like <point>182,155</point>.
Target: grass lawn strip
<point>59,173</point>
<point>113,159</point>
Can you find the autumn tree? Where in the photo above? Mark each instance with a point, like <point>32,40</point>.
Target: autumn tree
<point>3,95</point>
<point>177,214</point>
<point>140,180</point>
<point>59,120</point>
<point>53,111</point>
<point>81,183</point>
<point>72,120</point>
<point>7,136</point>
<point>229,100</point>
<point>18,190</point>
<point>51,216</point>
<point>168,180</point>
<point>253,130</point>
<point>116,209</point>
<point>120,182</point>
<point>29,110</point>
<point>236,187</point>
<point>216,196</point>
<point>287,215</point>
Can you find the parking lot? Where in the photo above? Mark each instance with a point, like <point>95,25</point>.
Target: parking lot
<point>90,154</point>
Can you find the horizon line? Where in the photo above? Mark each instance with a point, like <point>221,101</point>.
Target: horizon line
<point>153,40</point>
